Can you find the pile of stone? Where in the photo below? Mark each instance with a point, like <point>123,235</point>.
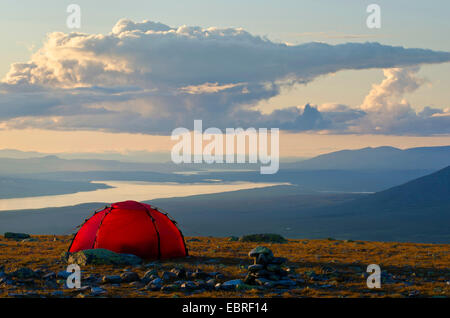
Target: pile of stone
<point>267,270</point>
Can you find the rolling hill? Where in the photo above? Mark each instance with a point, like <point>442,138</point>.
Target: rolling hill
<point>417,211</point>
<point>389,158</point>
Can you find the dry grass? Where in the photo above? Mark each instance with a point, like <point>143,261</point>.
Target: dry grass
<point>417,267</point>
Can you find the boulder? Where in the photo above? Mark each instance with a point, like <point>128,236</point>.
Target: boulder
<point>263,259</point>
<point>231,284</point>
<point>266,237</point>
<point>260,250</point>
<point>255,267</point>
<point>262,281</point>
<point>23,273</point>
<point>63,274</point>
<point>16,236</point>
<point>49,276</point>
<point>129,277</point>
<point>112,279</point>
<point>168,275</point>
<point>170,288</point>
<point>198,274</point>
<point>157,281</point>
<point>150,275</point>
<point>188,285</point>
<point>95,291</point>
<point>100,256</point>
<point>180,272</point>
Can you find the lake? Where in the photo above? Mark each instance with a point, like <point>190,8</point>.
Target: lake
<point>127,190</point>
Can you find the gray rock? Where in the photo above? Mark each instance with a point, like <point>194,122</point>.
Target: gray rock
<point>263,259</point>
<point>23,273</point>
<point>179,272</point>
<point>157,281</point>
<point>262,273</point>
<point>255,267</point>
<point>102,256</point>
<point>95,291</point>
<point>262,281</point>
<point>219,276</point>
<point>129,277</point>
<point>137,284</point>
<point>249,279</point>
<point>39,272</point>
<point>49,276</point>
<point>63,274</point>
<point>155,284</point>
<point>170,288</point>
<point>260,250</point>
<point>198,274</point>
<point>112,279</point>
<point>81,289</point>
<point>231,284</point>
<point>94,278</point>
<point>16,236</point>
<point>150,275</point>
<point>168,275</point>
<point>153,287</point>
<point>188,285</point>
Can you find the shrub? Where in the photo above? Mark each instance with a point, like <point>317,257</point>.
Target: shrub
<point>266,237</point>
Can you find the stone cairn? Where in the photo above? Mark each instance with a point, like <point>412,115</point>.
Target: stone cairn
<point>267,270</point>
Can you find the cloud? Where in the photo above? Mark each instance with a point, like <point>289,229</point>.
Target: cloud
<point>148,77</point>
<point>387,110</point>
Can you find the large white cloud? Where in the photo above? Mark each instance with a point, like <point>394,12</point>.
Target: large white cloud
<point>387,110</point>
<point>148,77</point>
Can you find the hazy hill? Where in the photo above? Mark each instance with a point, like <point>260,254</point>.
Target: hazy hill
<point>428,192</point>
<point>54,163</point>
<point>18,187</point>
<point>379,158</point>
<point>417,211</point>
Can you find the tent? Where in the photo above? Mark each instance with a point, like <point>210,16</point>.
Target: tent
<point>131,227</point>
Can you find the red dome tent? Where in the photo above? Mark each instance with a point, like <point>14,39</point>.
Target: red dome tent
<point>131,227</point>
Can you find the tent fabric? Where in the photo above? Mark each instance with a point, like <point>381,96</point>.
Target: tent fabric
<point>131,227</point>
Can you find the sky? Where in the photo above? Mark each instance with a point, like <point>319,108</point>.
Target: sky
<point>120,83</point>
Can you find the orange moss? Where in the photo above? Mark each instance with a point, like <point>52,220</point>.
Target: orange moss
<point>427,265</point>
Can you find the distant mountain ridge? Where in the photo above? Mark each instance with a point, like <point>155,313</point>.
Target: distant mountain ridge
<point>426,192</point>
<point>416,211</point>
<point>432,158</point>
<point>52,163</point>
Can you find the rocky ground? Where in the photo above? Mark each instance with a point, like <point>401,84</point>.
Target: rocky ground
<point>223,267</point>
